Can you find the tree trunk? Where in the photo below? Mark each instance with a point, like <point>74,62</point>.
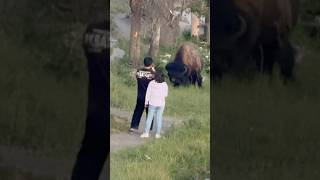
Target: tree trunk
<point>195,24</point>
<point>208,27</point>
<point>155,40</point>
<point>170,29</point>
<point>134,54</point>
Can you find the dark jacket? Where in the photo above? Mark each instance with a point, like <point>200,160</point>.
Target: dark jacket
<point>144,76</point>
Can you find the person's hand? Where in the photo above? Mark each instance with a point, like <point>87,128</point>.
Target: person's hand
<point>153,69</point>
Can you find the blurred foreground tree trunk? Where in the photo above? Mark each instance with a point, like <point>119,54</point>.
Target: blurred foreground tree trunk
<point>207,20</point>
<point>134,52</point>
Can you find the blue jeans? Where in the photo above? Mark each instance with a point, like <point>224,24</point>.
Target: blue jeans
<point>158,110</point>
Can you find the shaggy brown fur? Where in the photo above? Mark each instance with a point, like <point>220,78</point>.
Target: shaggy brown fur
<point>282,14</point>
<point>188,55</point>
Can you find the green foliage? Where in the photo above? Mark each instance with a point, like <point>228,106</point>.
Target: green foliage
<point>163,60</point>
<point>301,37</point>
<point>205,55</point>
<point>310,8</point>
<point>124,71</point>
<point>201,7</point>
<point>186,35</point>
<point>309,23</point>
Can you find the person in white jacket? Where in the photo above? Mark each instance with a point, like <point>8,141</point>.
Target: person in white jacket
<point>156,93</point>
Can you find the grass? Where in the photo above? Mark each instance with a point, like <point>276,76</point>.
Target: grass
<point>13,173</point>
<point>184,152</point>
<point>265,130</point>
<point>39,111</point>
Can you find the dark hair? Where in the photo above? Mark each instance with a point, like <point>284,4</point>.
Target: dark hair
<point>159,76</point>
<point>147,61</point>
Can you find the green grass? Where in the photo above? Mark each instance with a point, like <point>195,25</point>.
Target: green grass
<point>39,111</point>
<point>184,152</point>
<point>265,130</point>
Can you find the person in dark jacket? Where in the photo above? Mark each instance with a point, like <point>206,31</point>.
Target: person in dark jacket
<point>144,76</point>
<point>95,144</point>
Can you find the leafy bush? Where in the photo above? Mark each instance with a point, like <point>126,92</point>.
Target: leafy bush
<point>186,35</point>
<point>123,69</point>
<point>205,55</point>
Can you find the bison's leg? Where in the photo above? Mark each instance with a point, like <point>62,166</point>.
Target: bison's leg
<point>199,79</point>
<point>268,61</point>
<point>258,57</point>
<point>193,81</point>
<point>286,60</point>
<point>194,78</point>
<point>270,47</point>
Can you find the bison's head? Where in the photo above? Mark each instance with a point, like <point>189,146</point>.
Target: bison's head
<point>177,73</point>
<point>235,40</point>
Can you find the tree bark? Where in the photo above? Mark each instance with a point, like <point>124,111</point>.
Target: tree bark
<point>134,52</point>
<point>155,39</point>
<point>195,24</point>
<point>170,30</point>
<point>208,27</point>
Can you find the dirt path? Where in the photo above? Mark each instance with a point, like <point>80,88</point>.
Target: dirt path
<point>124,140</point>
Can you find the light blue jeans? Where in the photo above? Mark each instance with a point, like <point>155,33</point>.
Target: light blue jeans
<point>158,110</point>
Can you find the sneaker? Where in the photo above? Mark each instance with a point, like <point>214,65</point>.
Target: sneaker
<point>144,135</point>
<point>158,136</point>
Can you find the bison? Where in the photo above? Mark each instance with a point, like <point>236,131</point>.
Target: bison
<point>254,33</point>
<point>186,67</point>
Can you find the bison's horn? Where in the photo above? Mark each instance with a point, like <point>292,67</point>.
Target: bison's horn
<point>243,28</point>
<point>185,70</point>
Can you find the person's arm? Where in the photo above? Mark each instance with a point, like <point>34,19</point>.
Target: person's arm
<point>165,90</point>
<point>147,98</point>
